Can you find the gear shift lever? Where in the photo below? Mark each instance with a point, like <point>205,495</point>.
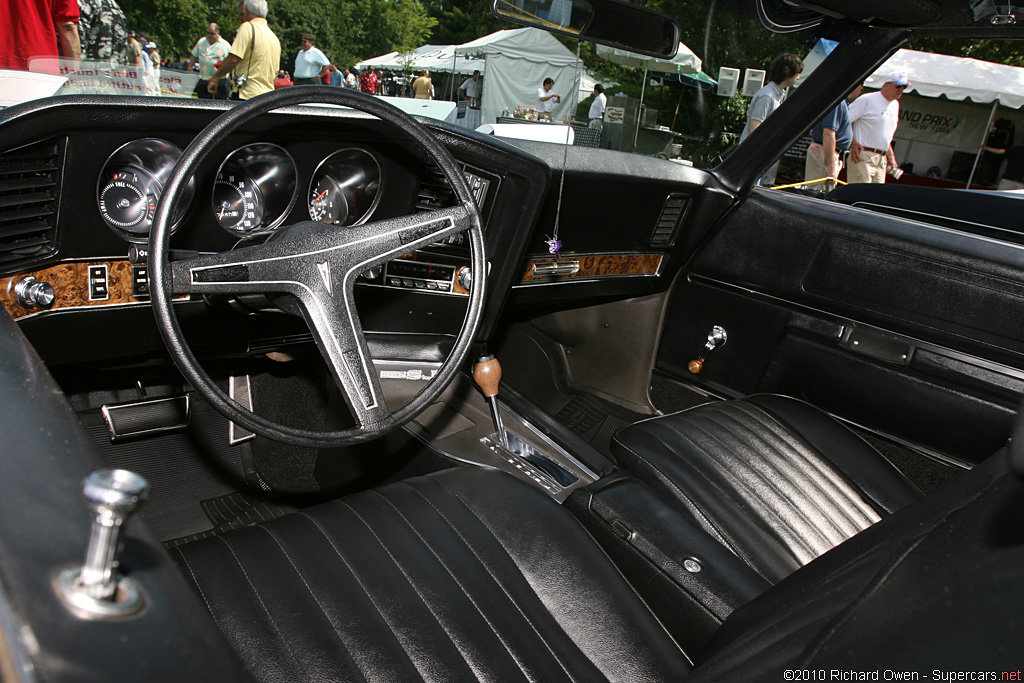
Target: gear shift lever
<point>487,375</point>
<point>97,588</point>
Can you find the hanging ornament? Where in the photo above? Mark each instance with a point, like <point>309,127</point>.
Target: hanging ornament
<point>554,246</point>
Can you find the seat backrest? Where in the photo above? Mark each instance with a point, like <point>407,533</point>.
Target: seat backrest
<point>936,585</point>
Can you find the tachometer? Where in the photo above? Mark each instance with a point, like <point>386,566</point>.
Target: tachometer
<point>237,202</point>
<point>346,188</point>
<point>327,202</point>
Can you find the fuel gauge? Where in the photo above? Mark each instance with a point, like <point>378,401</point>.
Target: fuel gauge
<point>128,200</point>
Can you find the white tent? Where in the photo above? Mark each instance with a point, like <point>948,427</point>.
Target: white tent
<point>440,58</point>
<point>518,61</point>
<point>941,119</point>
<point>956,78</point>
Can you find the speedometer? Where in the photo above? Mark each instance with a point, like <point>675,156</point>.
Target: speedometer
<point>237,202</point>
<point>254,190</point>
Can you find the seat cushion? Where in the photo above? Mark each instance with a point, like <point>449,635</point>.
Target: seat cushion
<point>464,575</point>
<point>774,479</point>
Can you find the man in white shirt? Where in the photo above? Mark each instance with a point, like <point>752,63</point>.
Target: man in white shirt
<point>597,108</point>
<point>470,90</point>
<point>546,99</point>
<point>310,64</point>
<point>874,118</point>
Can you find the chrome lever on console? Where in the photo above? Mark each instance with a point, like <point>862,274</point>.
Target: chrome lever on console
<point>97,589</point>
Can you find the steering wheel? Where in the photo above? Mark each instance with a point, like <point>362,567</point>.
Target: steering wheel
<point>317,264</point>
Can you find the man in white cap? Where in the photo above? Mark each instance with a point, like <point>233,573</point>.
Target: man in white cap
<point>874,119</point>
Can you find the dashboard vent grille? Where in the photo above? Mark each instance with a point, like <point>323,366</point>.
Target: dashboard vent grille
<point>671,217</point>
<point>434,193</point>
<point>29,179</point>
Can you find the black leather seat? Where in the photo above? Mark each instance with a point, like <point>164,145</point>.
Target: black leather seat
<point>774,479</point>
<point>471,575</point>
<point>465,575</point>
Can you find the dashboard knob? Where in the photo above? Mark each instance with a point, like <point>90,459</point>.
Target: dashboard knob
<point>465,277</point>
<point>31,293</point>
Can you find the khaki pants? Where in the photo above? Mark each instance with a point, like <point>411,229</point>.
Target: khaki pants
<point>870,168</point>
<point>814,167</point>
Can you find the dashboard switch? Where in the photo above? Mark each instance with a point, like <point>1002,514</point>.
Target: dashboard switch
<point>140,281</point>
<point>99,289</point>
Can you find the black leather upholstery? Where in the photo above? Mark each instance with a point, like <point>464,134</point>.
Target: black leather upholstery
<point>468,574</point>
<point>774,479</point>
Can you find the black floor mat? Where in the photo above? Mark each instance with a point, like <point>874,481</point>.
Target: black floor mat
<point>233,511</point>
<point>670,395</point>
<point>182,469</point>
<point>595,420</point>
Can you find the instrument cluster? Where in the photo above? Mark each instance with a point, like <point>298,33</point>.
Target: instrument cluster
<point>255,189</point>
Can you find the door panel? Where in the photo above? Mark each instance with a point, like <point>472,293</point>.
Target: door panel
<point>907,329</point>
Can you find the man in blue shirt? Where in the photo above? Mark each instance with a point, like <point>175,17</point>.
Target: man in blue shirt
<point>830,138</point>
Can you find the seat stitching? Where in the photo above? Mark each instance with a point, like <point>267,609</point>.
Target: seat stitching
<point>273,622</point>
<point>507,553</point>
<point>824,467</point>
<point>494,578</point>
<point>412,585</point>
<point>351,571</point>
<point>298,573</point>
<point>195,580</point>
<point>711,483</point>
<point>816,497</point>
<point>795,543</point>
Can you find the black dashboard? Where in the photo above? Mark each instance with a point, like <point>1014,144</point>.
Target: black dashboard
<point>97,166</point>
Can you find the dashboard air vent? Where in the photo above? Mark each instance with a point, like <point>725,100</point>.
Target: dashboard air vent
<point>669,220</point>
<point>29,180</point>
<point>434,193</point>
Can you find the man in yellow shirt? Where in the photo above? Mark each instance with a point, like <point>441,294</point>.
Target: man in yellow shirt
<point>255,55</point>
<point>423,87</point>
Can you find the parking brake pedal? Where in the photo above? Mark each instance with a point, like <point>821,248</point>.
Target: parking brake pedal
<point>146,418</point>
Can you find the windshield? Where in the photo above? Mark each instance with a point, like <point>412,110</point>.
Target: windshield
<point>461,64</point>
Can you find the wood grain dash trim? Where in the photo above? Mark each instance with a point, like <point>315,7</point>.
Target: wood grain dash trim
<point>70,282</point>
<point>596,266</point>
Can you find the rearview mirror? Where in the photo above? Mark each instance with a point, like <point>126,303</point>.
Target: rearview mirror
<point>613,23</point>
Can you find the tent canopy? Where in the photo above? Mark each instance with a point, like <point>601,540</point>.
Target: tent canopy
<point>528,44</point>
<point>440,58</point>
<point>685,61</point>
<point>958,78</point>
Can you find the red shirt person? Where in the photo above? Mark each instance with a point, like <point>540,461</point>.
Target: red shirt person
<point>368,82</point>
<point>34,30</point>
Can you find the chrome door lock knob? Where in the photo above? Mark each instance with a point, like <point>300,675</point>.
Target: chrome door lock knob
<point>30,293</point>
<point>112,495</point>
<point>97,589</point>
